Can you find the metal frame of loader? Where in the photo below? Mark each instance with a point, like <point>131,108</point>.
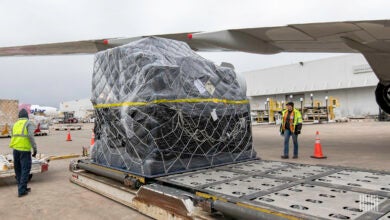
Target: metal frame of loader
<point>248,190</point>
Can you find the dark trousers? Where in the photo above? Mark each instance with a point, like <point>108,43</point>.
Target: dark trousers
<point>22,166</point>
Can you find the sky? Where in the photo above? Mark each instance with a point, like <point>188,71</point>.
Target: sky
<point>49,80</point>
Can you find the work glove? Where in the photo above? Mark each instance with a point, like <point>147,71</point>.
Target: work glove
<point>281,130</point>
<point>298,128</point>
<point>34,153</point>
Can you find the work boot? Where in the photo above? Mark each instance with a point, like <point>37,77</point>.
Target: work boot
<point>24,194</point>
<point>295,157</point>
<point>284,157</point>
<point>28,189</point>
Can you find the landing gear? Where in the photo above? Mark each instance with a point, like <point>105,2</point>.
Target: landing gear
<point>382,95</point>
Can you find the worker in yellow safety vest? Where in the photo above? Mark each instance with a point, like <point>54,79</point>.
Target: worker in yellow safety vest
<point>22,141</point>
<point>291,127</point>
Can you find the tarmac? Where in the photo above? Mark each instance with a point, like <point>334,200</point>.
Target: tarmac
<point>354,144</point>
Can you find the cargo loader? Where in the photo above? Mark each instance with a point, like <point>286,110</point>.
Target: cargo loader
<point>256,189</point>
<point>174,141</point>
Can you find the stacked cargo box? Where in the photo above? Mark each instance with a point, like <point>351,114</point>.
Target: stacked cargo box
<point>8,115</point>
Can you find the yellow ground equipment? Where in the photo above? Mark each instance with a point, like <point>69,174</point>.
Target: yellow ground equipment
<point>271,112</point>
<point>5,131</point>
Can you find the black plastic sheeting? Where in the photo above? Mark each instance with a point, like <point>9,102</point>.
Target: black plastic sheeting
<point>162,109</point>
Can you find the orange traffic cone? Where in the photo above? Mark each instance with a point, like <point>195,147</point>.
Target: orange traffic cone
<point>92,139</point>
<point>38,128</point>
<point>68,138</point>
<point>317,148</point>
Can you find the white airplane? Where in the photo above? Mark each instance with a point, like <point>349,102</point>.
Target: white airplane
<point>44,109</point>
<point>371,38</point>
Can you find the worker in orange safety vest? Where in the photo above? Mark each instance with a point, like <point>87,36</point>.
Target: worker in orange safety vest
<point>291,127</point>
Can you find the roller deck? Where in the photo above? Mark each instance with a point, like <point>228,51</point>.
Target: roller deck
<point>250,190</point>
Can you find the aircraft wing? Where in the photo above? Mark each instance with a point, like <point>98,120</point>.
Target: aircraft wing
<point>315,37</point>
<point>94,46</point>
<point>75,47</point>
<point>371,38</point>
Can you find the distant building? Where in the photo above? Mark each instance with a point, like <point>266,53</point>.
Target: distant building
<point>81,108</point>
<point>347,78</point>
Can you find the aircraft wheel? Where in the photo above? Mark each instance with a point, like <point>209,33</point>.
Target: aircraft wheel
<point>382,95</point>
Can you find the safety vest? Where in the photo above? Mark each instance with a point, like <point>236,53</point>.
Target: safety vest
<point>295,118</point>
<point>20,140</point>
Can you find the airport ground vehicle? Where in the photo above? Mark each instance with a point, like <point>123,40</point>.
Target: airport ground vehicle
<point>67,127</point>
<point>39,132</point>
<point>255,189</point>
<point>37,166</point>
<point>69,118</point>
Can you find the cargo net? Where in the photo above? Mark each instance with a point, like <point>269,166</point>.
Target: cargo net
<point>161,109</point>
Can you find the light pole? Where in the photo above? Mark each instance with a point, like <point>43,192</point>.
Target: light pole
<point>301,99</point>
<point>268,104</point>
<point>269,110</point>
<point>311,98</point>
<point>326,105</point>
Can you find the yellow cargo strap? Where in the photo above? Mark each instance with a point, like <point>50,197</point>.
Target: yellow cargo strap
<point>208,196</point>
<point>158,101</point>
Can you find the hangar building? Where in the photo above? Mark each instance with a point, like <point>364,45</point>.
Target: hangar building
<point>347,78</point>
<point>81,108</point>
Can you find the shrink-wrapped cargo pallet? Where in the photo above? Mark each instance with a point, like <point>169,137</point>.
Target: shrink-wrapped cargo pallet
<point>8,116</point>
<point>8,111</point>
<point>162,109</point>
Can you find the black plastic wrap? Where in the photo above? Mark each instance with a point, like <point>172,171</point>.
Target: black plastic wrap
<point>162,109</point>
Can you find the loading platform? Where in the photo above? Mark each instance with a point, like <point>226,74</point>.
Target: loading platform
<point>249,190</point>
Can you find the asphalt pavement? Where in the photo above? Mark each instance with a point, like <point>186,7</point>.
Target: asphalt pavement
<point>354,144</point>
